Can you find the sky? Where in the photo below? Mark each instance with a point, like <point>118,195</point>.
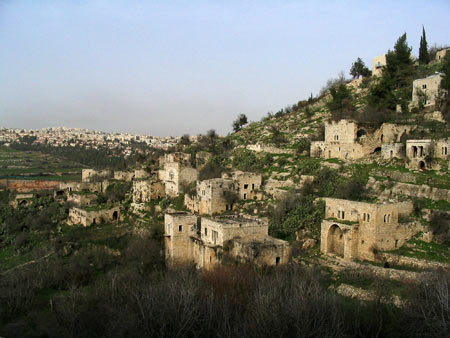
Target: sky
<point>169,67</point>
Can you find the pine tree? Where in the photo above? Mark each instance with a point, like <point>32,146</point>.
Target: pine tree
<point>424,56</point>
<point>359,69</point>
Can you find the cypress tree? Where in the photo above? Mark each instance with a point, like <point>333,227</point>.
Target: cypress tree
<point>424,57</point>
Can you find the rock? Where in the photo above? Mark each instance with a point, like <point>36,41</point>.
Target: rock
<point>309,243</point>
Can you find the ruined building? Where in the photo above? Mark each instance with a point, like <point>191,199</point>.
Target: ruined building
<point>426,91</point>
<point>248,184</point>
<point>92,216</point>
<point>205,242</point>
<point>176,171</point>
<point>356,230</point>
<point>213,196</point>
<point>421,152</point>
<point>146,190</point>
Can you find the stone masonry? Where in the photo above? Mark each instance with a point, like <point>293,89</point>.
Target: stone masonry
<point>357,230</point>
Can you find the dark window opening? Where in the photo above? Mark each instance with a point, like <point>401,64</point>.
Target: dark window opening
<point>180,228</point>
<point>277,260</point>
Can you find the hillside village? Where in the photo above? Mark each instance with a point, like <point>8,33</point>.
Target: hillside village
<point>357,176</point>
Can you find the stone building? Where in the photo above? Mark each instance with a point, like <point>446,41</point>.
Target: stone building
<point>146,190</point>
<point>440,55</point>
<point>392,150</point>
<point>213,196</point>
<point>421,152</point>
<point>426,91</point>
<point>356,230</point>
<point>83,186</point>
<point>126,176</point>
<point>88,175</point>
<point>248,184</point>
<point>87,216</point>
<point>205,242</point>
<point>81,199</point>
<point>176,171</point>
<point>346,140</point>
<point>378,63</point>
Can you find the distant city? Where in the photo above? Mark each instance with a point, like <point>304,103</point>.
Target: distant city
<point>121,143</point>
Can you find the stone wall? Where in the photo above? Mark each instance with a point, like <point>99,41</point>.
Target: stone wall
<point>88,174</point>
<point>268,149</point>
<point>210,198</point>
<point>92,217</point>
<point>356,230</point>
<point>262,251</point>
<point>145,191</point>
<point>393,150</point>
<point>427,90</point>
<point>126,176</point>
<point>28,185</point>
<point>248,184</point>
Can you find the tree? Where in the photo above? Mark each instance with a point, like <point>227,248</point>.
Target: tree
<point>185,140</point>
<point>359,69</point>
<point>239,122</point>
<point>424,56</point>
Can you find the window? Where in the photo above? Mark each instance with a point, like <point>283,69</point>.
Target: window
<point>253,187</point>
<point>245,196</point>
<point>245,186</point>
<point>364,217</point>
<point>215,236</point>
<point>180,228</point>
<point>368,217</point>
<point>206,231</point>
<point>424,86</point>
<point>277,260</point>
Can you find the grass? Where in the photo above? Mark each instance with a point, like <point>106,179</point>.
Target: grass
<point>35,165</point>
<point>426,251</point>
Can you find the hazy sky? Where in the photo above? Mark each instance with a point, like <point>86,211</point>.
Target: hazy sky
<point>172,67</point>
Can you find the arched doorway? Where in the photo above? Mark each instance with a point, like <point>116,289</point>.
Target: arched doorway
<point>421,165</point>
<point>115,215</point>
<point>377,150</point>
<point>336,241</point>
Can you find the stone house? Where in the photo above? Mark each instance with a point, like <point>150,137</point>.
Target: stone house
<point>211,196</point>
<point>176,171</point>
<point>426,91</point>
<point>392,150</point>
<point>87,217</point>
<point>378,62</point>
<point>146,190</point>
<point>356,230</point>
<point>87,175</point>
<point>205,242</point>
<point>126,176</point>
<point>248,184</point>
<point>346,140</point>
<point>440,55</point>
<point>421,152</point>
<point>81,199</point>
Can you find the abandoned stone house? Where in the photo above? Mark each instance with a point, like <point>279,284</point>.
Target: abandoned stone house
<point>87,217</point>
<point>89,175</point>
<point>146,190</point>
<point>421,152</point>
<point>346,140</point>
<point>378,63</point>
<point>22,200</point>
<point>126,176</point>
<point>356,230</point>
<point>213,196</point>
<point>83,186</point>
<point>176,171</point>
<point>205,242</point>
<point>426,91</point>
<point>80,199</point>
<point>390,151</point>
<point>248,184</point>
<point>440,55</point>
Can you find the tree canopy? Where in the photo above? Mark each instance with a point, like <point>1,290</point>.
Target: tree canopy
<point>359,69</point>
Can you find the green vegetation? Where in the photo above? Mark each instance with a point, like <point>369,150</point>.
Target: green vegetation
<point>422,250</point>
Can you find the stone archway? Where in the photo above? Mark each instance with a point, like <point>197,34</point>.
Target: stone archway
<point>335,241</point>
<point>421,165</point>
